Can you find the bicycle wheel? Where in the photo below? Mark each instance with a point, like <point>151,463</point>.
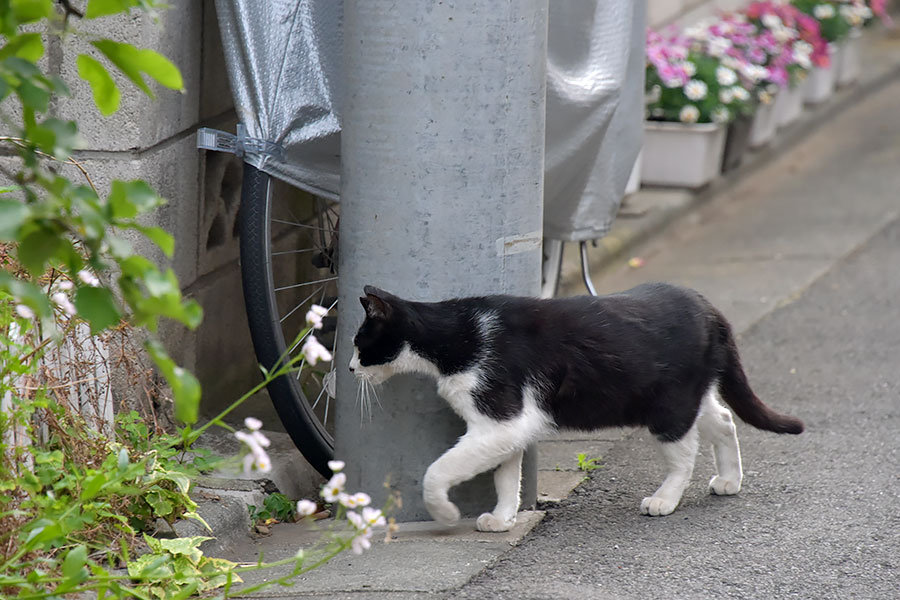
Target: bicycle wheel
<point>289,245</point>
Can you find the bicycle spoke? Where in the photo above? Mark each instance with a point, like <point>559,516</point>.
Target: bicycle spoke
<point>305,283</point>
<point>301,303</point>
<point>301,225</point>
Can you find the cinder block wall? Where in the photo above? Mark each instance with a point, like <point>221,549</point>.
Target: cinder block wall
<point>154,140</point>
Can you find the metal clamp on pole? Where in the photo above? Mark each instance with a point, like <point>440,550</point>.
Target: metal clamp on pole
<point>240,144</point>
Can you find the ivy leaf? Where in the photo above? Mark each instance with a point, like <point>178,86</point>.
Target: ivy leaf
<point>135,62</point>
<point>106,93</point>
<point>160,237</point>
<point>28,11</point>
<point>97,306</point>
<point>185,387</point>
<point>12,214</point>
<point>102,8</point>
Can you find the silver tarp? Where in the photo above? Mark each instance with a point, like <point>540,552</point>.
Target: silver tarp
<point>284,62</point>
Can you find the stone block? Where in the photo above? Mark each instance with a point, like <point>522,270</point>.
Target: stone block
<point>215,92</point>
<point>141,122</point>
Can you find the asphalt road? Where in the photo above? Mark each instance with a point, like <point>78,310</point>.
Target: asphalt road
<point>818,514</point>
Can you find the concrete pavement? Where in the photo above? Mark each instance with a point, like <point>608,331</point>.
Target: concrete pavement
<point>801,254</point>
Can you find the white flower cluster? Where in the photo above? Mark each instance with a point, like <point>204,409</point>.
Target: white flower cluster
<point>257,442</point>
<point>856,13</point>
<point>333,491</point>
<point>313,350</point>
<point>823,11</point>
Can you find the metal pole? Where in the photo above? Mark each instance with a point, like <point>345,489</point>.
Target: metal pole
<point>441,196</point>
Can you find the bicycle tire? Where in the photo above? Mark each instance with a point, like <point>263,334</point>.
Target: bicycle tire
<point>297,414</point>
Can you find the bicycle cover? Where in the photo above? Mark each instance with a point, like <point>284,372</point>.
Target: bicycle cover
<point>284,67</point>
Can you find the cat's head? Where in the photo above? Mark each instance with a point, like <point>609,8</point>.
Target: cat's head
<point>379,343</point>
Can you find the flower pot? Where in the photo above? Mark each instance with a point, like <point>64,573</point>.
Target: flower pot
<point>789,104</point>
<point>681,155</point>
<point>634,180</point>
<point>820,83</point>
<point>764,124</point>
<point>737,140</point>
<point>848,62</point>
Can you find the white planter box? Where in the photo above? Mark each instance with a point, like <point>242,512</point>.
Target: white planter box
<point>848,61</point>
<point>820,84</point>
<point>789,104</point>
<point>634,180</point>
<point>764,124</point>
<point>681,155</point>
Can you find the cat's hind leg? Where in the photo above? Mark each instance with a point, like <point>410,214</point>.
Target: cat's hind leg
<point>679,457</point>
<point>507,481</point>
<point>716,425</point>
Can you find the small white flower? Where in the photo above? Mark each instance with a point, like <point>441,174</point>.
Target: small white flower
<point>336,465</point>
<point>88,278</point>
<point>653,95</point>
<point>314,316</point>
<point>373,517</point>
<point>362,499</point>
<point>62,301</point>
<point>695,90</point>
<point>314,351</point>
<point>347,500</point>
<point>764,97</point>
<point>718,46</point>
<point>306,508</point>
<point>725,76</point>
<point>356,520</point>
<point>771,21</point>
<point>801,47</point>
<point>361,543</point>
<point>65,285</point>
<point>689,68</point>
<point>726,95</point>
<point>24,311</point>
<point>720,115</point>
<point>335,486</point>
<point>657,113</point>
<point>261,439</point>
<point>253,424</point>
<point>257,455</point>
<point>672,82</point>
<point>740,93</point>
<point>823,11</point>
<point>689,114</point>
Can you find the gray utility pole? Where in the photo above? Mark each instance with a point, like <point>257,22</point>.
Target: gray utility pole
<point>441,196</point>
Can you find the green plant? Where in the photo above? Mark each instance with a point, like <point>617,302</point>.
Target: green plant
<point>276,507</point>
<point>588,464</point>
<point>78,507</point>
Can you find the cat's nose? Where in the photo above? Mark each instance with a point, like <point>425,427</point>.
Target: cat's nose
<point>352,369</point>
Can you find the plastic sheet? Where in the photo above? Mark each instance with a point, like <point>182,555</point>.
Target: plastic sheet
<point>284,63</point>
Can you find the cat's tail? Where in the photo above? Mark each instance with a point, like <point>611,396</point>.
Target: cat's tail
<point>735,390</point>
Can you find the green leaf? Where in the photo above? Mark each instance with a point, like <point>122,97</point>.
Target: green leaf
<point>162,507</point>
<point>93,485</point>
<point>27,46</point>
<point>135,62</point>
<point>97,306</point>
<point>36,248</point>
<point>106,93</point>
<point>186,546</point>
<point>185,387</point>
<point>128,199</point>
<point>73,565</point>
<point>12,214</point>
<point>160,237</point>
<point>28,11</point>
<point>102,8</point>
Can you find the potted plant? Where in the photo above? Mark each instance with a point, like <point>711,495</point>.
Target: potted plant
<point>856,13</point>
<point>780,33</point>
<point>690,98</point>
<point>832,28</point>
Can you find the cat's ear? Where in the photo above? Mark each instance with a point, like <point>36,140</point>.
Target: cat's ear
<point>375,304</point>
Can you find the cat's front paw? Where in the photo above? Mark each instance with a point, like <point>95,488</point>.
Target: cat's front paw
<point>488,522</point>
<point>724,487</point>
<point>444,512</point>
<point>657,507</point>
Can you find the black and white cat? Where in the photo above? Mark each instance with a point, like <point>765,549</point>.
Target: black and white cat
<point>519,369</point>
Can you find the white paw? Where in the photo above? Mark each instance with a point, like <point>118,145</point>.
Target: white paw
<point>657,507</point>
<point>444,512</point>
<point>488,522</point>
<point>724,487</point>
